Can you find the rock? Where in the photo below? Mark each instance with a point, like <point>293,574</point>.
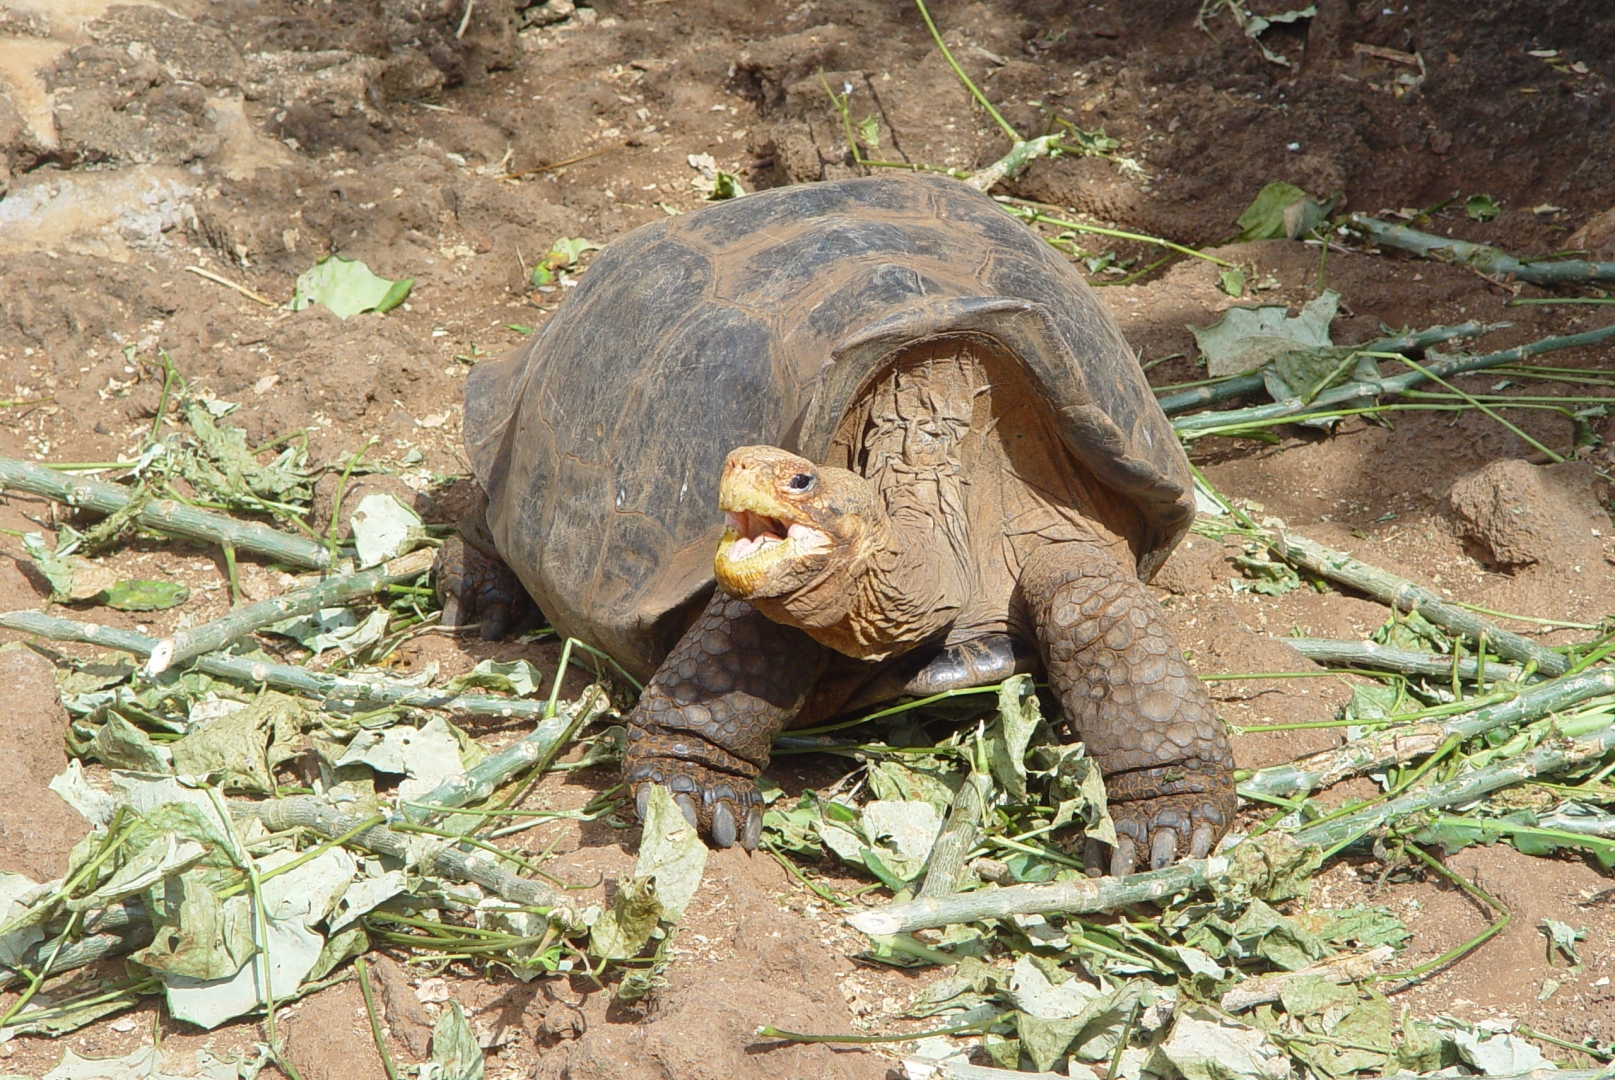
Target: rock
<point>1597,237</point>
<point>1519,514</point>
<point>111,107</point>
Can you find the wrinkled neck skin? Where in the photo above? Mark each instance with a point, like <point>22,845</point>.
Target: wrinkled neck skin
<point>904,581</point>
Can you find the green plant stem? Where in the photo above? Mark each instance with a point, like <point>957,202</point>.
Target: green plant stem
<point>1119,234</point>
<point>1204,422</point>
<point>375,1021</point>
<point>1555,457</point>
<point>975,92</point>
<point>1483,257</point>
<point>163,515</point>
<point>769,1031</point>
<point>1240,385</point>
<point>310,813</point>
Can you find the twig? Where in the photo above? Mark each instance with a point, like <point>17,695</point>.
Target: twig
<point>565,162</point>
<point>163,515</point>
<point>1240,385</point>
<point>1400,744</point>
<point>1209,423</point>
<point>1482,257</point>
<point>228,284</point>
<point>1105,894</point>
<point>1404,596</point>
<point>1012,164</point>
<point>1369,654</point>
<point>332,592</point>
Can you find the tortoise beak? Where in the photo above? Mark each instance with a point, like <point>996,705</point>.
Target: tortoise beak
<point>762,529</point>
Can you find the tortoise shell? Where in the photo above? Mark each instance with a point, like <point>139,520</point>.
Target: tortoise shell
<point>758,321</point>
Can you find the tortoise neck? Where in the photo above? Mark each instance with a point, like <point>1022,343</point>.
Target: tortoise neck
<point>912,574</point>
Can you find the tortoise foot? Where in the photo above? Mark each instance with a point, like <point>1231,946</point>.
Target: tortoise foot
<point>1153,832</point>
<point>475,586</point>
<point>727,808</point>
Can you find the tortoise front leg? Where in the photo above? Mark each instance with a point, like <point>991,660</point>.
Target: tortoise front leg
<point>706,722</point>
<point>1127,692</point>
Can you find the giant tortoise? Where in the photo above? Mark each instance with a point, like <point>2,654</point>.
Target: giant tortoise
<point>912,448</point>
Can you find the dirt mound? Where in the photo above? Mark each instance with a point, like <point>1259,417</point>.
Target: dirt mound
<point>1519,514</point>
<point>37,829</point>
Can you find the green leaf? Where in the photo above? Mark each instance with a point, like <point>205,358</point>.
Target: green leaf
<point>1267,576</point>
<point>1245,338</point>
<point>1360,926</point>
<point>1282,212</point>
<point>869,131</point>
<point>348,287</point>
<point>509,676</point>
<point>1482,208</point>
<point>1232,281</point>
<point>144,595</point>
<point>454,1046</point>
<point>1271,867</point>
<point>1079,788</point>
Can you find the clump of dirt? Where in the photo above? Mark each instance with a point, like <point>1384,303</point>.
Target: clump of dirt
<point>454,143</point>
<point>1521,514</point>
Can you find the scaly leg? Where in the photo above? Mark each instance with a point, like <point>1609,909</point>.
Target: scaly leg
<point>705,724</point>
<point>1127,692</point>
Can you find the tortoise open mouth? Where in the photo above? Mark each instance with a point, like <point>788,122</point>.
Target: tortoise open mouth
<point>748,534</point>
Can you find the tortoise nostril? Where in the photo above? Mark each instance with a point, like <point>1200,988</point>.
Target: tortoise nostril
<point>801,482</point>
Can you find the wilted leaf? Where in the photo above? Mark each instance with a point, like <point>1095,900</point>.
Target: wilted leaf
<point>347,287</point>
<point>509,676</point>
<point>1482,207</point>
<point>902,833</point>
<point>16,895</point>
<point>563,255</point>
<point>1232,281</point>
<point>1499,1055</point>
<point>158,860</point>
<point>334,628</point>
<point>384,528</point>
<point>1269,577</point>
<point>144,595</point>
<point>57,568</point>
<point>623,930</point>
<point>141,1064</point>
<point>1245,338</point>
<point>427,755</point>
<point>1080,788</point>
<point>1271,866</point>
<point>454,1047</point>
<point>1562,938</point>
<point>672,852</point>
<point>1205,1045</point>
<point>869,131</point>
<point>1256,25</point>
<point>1282,212</point>
<point>1010,735</point>
<point>1043,1040</point>
<point>195,933</point>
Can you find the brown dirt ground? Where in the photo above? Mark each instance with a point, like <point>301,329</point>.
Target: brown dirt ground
<point>247,137</point>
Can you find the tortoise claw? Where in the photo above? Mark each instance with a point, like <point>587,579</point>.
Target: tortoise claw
<point>1164,829</point>
<point>723,824</point>
<point>726,809</point>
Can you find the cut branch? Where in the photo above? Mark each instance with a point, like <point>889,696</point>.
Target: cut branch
<point>334,691</point>
<point>1352,393</point>
<point>164,515</point>
<point>1491,261</point>
<point>1369,654</point>
<point>1404,596</point>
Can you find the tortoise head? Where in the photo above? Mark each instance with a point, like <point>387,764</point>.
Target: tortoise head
<point>793,527</point>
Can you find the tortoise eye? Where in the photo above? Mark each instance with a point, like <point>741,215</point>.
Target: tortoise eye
<point>801,482</point>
